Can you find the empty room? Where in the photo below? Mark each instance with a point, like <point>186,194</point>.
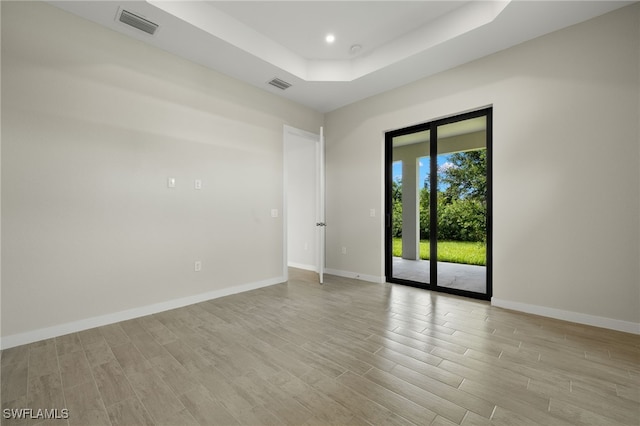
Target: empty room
<point>320,212</point>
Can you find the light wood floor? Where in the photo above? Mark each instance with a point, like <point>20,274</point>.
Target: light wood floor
<point>348,352</point>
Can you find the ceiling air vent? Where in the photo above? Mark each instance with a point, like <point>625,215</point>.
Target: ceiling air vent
<point>280,84</point>
<point>138,22</point>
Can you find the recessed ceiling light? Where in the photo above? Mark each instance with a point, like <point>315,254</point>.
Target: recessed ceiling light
<point>330,38</point>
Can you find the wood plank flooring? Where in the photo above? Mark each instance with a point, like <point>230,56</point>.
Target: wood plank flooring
<point>346,353</point>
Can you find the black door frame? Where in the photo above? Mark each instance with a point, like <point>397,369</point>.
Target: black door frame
<point>432,126</point>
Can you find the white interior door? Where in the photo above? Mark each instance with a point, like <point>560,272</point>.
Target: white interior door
<point>303,201</point>
<point>321,224</point>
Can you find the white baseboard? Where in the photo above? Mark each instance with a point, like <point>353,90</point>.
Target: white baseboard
<point>303,266</point>
<point>596,321</point>
<point>355,275</point>
<point>85,324</point>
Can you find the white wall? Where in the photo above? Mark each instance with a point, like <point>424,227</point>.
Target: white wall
<point>566,160</point>
<point>93,124</point>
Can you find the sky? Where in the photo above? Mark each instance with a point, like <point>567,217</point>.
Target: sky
<point>443,161</point>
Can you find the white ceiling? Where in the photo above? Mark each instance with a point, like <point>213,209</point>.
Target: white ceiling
<point>401,41</point>
<point>301,26</point>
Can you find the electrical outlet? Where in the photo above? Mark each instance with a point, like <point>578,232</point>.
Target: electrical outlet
<point>171,182</point>
<point>344,250</point>
<point>274,212</point>
<point>372,212</point>
<point>197,184</point>
<point>198,266</point>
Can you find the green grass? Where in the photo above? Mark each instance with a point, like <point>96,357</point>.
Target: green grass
<point>472,253</point>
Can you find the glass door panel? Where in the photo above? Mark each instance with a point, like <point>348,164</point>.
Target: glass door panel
<point>409,171</point>
<point>462,205</point>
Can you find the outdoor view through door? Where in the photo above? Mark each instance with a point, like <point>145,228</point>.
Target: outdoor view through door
<point>438,205</point>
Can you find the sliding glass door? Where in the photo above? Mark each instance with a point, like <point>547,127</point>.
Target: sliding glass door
<point>438,202</point>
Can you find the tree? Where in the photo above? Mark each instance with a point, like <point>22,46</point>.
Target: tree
<point>466,177</point>
<point>396,203</point>
<point>462,206</point>
<point>461,200</point>
<point>462,220</point>
<point>424,213</point>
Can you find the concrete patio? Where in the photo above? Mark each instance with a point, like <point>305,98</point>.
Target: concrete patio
<point>453,275</point>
